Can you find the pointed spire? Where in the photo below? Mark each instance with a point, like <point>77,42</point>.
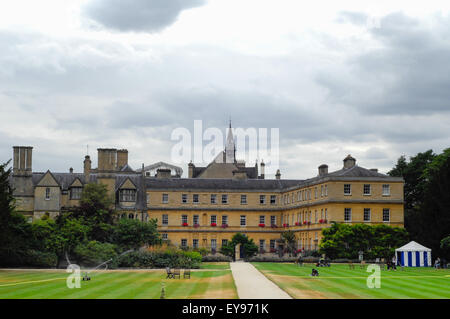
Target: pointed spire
<point>230,148</point>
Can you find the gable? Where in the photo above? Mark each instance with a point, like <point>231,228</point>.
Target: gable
<point>48,180</point>
<point>76,183</point>
<point>128,184</point>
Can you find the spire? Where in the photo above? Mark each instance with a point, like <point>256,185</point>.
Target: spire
<point>230,148</point>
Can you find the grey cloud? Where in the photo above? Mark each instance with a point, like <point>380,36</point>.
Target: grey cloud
<point>356,18</point>
<point>138,15</point>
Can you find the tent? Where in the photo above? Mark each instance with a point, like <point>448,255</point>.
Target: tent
<point>413,255</point>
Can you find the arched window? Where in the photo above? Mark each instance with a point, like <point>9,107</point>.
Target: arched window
<point>131,216</point>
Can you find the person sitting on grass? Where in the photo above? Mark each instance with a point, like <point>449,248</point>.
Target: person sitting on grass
<point>314,273</point>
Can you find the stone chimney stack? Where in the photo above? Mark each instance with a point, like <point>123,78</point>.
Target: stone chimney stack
<point>122,158</point>
<point>107,160</point>
<point>71,170</point>
<point>263,169</point>
<point>349,161</point>
<point>323,169</point>
<point>87,168</point>
<point>191,167</point>
<point>278,174</point>
<point>22,160</point>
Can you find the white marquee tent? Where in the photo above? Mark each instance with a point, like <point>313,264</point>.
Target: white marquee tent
<point>413,255</point>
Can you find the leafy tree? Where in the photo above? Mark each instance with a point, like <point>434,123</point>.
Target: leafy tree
<point>288,237</point>
<point>132,233</point>
<point>93,253</point>
<point>445,247</point>
<point>96,211</point>
<point>14,230</point>
<point>248,246</point>
<point>346,241</point>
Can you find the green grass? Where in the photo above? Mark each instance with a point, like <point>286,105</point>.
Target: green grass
<point>36,284</point>
<point>215,265</point>
<point>339,281</point>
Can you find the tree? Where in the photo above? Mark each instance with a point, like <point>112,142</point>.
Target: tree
<point>14,230</point>
<point>445,247</point>
<point>248,246</point>
<point>96,211</point>
<point>288,237</point>
<point>132,233</point>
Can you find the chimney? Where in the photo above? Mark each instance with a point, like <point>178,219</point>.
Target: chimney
<point>349,161</point>
<point>163,173</point>
<point>87,168</point>
<point>143,170</point>
<point>22,160</point>
<point>191,167</point>
<point>263,169</point>
<point>122,158</point>
<point>278,174</point>
<point>107,159</point>
<point>323,169</point>
<point>71,170</point>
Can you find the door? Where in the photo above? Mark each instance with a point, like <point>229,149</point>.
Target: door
<point>425,259</point>
<point>241,251</point>
<point>418,264</point>
<point>409,258</point>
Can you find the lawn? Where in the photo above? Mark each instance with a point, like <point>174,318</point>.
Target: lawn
<point>118,284</point>
<point>338,281</point>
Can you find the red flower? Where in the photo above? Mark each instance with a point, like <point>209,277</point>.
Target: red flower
<point>305,222</point>
<point>213,224</point>
<point>262,225</point>
<point>297,224</point>
<point>185,224</point>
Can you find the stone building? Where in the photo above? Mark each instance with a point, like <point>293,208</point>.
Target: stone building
<point>215,202</point>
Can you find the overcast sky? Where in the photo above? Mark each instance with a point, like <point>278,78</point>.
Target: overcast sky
<point>367,78</point>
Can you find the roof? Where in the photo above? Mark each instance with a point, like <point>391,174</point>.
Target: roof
<point>177,169</point>
<point>413,246</point>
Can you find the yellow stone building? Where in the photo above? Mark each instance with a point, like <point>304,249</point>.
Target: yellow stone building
<point>215,202</point>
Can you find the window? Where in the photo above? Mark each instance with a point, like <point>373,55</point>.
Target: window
<point>224,220</point>
<point>309,194</point>
<point>347,189</point>
<point>262,199</point>
<point>75,192</point>
<point>184,219</point>
<point>315,216</point>
<point>347,214</point>
<point>184,243</point>
<point>367,214</point>
<point>224,242</point>
<point>299,194</point>
<point>131,216</point>
<point>326,190</point>
<point>273,199</point>
<point>195,199</point>
<point>262,244</point>
<point>386,214</point>
<point>213,199</point>
<point>315,192</point>
<point>195,220</point>
<point>321,191</point>
<point>243,220</point>
<point>366,189</point>
<point>224,199</point>
<point>148,199</point>
<point>165,198</point>
<point>386,190</point>
<point>213,243</point>
<point>127,195</point>
<point>243,199</point>
<point>273,220</point>
<point>184,199</point>
<point>272,244</point>
<point>326,214</point>
<point>165,220</point>
<point>262,219</point>
<point>165,236</point>
<point>47,193</point>
<point>214,219</point>
<point>194,243</point>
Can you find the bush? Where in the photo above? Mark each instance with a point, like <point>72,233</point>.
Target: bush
<point>160,259</point>
<point>36,258</point>
<point>216,258</point>
<point>93,253</point>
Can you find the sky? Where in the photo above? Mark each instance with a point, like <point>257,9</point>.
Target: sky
<point>366,78</point>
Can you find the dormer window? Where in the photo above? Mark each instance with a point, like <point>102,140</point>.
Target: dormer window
<point>75,192</point>
<point>47,193</point>
<point>127,195</point>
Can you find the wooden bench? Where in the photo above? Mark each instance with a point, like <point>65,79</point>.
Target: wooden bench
<point>187,274</point>
<point>169,272</point>
<point>176,272</point>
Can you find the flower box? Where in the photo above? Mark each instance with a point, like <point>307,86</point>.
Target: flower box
<point>262,225</point>
<point>305,222</point>
<point>224,225</point>
<point>196,225</point>
<point>213,224</point>
<point>320,221</point>
<point>185,224</point>
<point>297,224</point>
<point>274,226</point>
<point>285,225</point>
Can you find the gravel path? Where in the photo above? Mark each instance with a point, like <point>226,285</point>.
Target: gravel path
<point>252,284</point>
